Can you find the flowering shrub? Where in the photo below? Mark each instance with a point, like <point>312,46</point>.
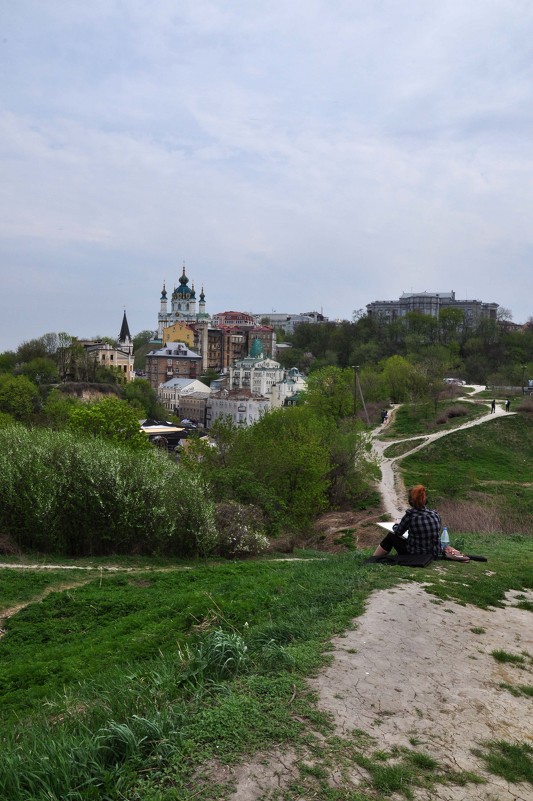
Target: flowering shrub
<point>240,530</point>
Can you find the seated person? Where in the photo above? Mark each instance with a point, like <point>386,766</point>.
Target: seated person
<point>424,527</point>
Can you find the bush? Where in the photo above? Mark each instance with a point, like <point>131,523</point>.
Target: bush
<point>525,406</point>
<point>450,413</point>
<point>84,496</point>
<point>240,530</point>
<point>457,411</point>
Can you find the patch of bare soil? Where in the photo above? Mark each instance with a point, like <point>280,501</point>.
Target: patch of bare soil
<point>339,532</point>
<point>413,673</point>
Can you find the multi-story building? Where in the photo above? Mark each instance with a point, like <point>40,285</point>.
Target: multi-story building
<point>288,322</point>
<point>175,360</point>
<point>265,377</point>
<point>230,318</point>
<point>173,391</point>
<point>255,372</point>
<point>179,332</point>
<point>292,386</point>
<point>242,406</point>
<point>430,303</point>
<point>193,407</point>
<point>118,358</point>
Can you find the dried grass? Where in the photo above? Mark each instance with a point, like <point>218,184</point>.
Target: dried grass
<point>476,517</point>
<point>483,515</point>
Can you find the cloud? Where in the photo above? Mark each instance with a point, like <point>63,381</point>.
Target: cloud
<point>297,156</point>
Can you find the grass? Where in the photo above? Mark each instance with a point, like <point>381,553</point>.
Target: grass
<point>20,586</point>
<point>506,658</point>
<point>511,761</point>
<point>480,476</point>
<point>127,685</point>
<point>423,418</point>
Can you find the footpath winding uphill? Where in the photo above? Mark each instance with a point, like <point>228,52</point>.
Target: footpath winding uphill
<point>409,676</point>
<point>391,486</point>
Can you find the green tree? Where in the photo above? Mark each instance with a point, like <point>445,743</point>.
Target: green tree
<point>32,349</point>
<point>397,376</point>
<point>41,370</point>
<point>141,346</point>
<point>285,451</point>
<point>111,419</point>
<point>8,361</point>
<point>209,376</point>
<point>57,409</point>
<point>18,396</point>
<point>330,392</point>
<point>142,397</point>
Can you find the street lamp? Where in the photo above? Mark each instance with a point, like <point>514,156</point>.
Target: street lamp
<point>523,377</point>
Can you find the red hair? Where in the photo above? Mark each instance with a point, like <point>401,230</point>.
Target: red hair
<point>417,496</point>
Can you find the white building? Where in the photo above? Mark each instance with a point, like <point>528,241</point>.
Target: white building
<point>183,306</point>
<point>264,376</point>
<point>171,392</point>
<point>240,405</point>
<point>288,322</point>
<point>293,383</point>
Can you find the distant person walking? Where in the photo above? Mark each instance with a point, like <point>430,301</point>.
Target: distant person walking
<point>493,406</point>
<point>507,405</point>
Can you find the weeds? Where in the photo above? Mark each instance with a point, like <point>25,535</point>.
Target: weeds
<point>507,658</point>
<point>512,761</point>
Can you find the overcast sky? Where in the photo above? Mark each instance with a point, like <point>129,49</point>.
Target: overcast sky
<point>295,154</point>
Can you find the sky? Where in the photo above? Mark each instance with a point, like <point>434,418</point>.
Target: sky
<point>295,155</point>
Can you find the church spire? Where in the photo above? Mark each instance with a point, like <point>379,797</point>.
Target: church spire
<point>124,338</point>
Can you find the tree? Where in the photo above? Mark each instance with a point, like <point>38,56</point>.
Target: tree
<point>41,370</point>
<point>141,396</point>
<point>330,392</point>
<point>286,452</point>
<point>8,361</point>
<point>143,338</point>
<point>57,409</point>
<point>32,349</point>
<point>451,325</point>
<point>397,374</point>
<point>111,419</point>
<point>209,376</point>
<point>18,396</point>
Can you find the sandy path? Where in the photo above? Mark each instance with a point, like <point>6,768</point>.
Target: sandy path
<point>391,487</point>
<point>412,673</point>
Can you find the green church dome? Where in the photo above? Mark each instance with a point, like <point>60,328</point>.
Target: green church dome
<point>257,349</point>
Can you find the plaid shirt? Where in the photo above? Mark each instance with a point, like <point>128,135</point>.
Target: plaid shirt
<point>424,531</point>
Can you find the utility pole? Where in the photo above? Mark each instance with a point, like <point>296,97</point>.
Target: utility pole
<point>355,368</point>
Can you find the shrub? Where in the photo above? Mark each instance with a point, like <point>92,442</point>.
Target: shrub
<point>450,413</point>
<point>525,406</point>
<point>240,530</point>
<point>85,496</point>
<point>457,411</point>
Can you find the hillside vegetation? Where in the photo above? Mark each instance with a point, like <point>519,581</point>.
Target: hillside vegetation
<point>480,478</point>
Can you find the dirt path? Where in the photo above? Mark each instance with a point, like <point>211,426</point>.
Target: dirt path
<point>391,487</point>
<point>417,674</point>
